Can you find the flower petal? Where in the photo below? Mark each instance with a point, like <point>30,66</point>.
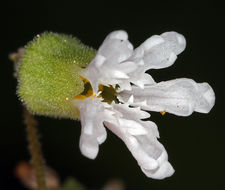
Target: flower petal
<point>149,153</point>
<point>93,132</point>
<point>166,170</point>
<point>179,96</point>
<point>132,127</point>
<point>131,113</point>
<point>117,64</point>
<point>155,53</point>
<point>139,136</point>
<point>107,67</point>
<point>132,144</point>
<point>116,47</point>
<point>160,51</point>
<point>89,146</point>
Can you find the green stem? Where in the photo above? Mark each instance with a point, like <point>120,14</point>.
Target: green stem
<point>35,150</point>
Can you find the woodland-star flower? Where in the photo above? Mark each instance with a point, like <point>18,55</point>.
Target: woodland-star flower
<point>118,90</point>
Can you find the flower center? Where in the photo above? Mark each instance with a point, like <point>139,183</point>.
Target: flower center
<point>107,93</point>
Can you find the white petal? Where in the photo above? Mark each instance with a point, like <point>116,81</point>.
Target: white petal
<point>145,79</point>
<point>138,76</point>
<point>151,127</point>
<point>117,64</point>
<point>116,47</point>
<point>155,53</point>
<point>127,66</point>
<point>100,130</point>
<point>131,113</point>
<point>118,74</point>
<point>108,66</point>
<point>207,101</point>
<point>132,127</point>
<point>130,100</point>
<point>139,136</point>
<point>152,41</point>
<point>119,35</point>
<point>149,153</point>
<point>179,96</point>
<point>142,157</point>
<point>176,41</point>
<point>99,60</point>
<point>124,85</point>
<point>166,170</point>
<point>140,51</point>
<point>161,51</point>
<point>89,146</point>
<point>93,132</point>
<point>132,144</point>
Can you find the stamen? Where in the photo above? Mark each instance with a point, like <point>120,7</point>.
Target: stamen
<point>93,96</point>
<point>163,112</point>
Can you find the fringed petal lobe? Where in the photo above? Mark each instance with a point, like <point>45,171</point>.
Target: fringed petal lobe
<point>179,96</point>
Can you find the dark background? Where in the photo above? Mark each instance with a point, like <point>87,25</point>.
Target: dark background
<point>195,144</point>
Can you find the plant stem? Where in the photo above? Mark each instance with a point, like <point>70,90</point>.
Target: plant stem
<point>35,150</point>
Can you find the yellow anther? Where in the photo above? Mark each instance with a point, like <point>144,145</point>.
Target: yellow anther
<point>163,112</point>
<point>93,96</point>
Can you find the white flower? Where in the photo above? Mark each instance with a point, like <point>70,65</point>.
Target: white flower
<point>120,68</point>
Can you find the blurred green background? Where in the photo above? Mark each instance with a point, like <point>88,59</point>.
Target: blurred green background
<point>195,144</point>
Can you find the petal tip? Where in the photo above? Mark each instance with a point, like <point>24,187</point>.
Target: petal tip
<point>119,34</point>
<point>164,171</point>
<point>208,96</point>
<point>89,151</point>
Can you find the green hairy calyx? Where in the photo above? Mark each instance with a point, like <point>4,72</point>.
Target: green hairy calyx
<point>49,74</point>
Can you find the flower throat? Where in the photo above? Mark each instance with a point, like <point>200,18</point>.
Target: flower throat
<point>107,93</point>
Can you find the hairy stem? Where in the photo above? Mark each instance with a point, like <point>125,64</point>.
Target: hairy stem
<point>35,150</point>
